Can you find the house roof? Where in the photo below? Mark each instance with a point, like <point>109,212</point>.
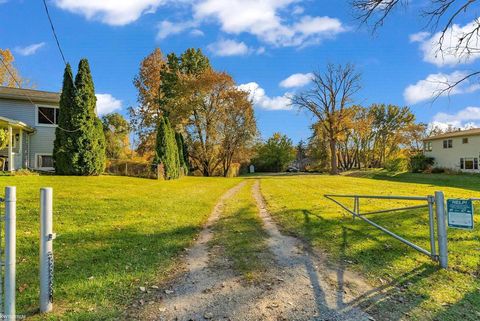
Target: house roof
<point>459,133</point>
<point>16,124</point>
<point>27,94</point>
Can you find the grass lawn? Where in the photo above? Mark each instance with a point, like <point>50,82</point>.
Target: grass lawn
<point>240,234</point>
<point>419,290</point>
<point>114,234</point>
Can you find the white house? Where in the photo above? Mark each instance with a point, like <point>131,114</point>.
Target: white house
<point>30,118</point>
<point>459,150</point>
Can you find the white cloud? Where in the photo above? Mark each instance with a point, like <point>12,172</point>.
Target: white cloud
<point>167,28</point>
<point>197,33</point>
<point>29,50</point>
<point>434,84</point>
<point>449,55</point>
<point>262,19</point>
<point>227,47</point>
<point>296,80</point>
<point>106,103</point>
<point>464,119</point>
<point>419,36</point>
<point>258,96</point>
<point>112,12</point>
<point>276,22</point>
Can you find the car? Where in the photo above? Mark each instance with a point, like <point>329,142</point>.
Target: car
<point>293,169</point>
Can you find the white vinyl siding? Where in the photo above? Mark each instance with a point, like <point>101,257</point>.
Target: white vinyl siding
<point>452,157</point>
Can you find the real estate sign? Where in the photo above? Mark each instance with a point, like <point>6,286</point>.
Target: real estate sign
<point>460,213</point>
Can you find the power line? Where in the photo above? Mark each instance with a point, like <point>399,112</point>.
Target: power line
<point>30,99</point>
<point>54,32</point>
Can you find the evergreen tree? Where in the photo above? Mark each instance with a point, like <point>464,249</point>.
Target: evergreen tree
<point>89,136</point>
<point>166,149</point>
<point>64,151</point>
<point>182,152</point>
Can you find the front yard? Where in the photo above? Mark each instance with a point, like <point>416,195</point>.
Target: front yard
<point>415,286</point>
<point>114,235</point>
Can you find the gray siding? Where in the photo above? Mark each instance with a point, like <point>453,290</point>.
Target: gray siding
<point>41,142</point>
<point>18,110</point>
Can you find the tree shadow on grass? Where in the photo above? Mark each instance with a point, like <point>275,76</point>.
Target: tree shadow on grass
<point>380,300</point>
<point>464,181</point>
<point>104,269</point>
<point>467,309</point>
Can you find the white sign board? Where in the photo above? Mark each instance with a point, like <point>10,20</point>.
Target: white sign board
<point>460,213</point>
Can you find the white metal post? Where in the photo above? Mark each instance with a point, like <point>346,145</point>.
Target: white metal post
<point>431,223</point>
<point>10,148</point>
<point>46,249</point>
<point>441,229</point>
<point>10,250</point>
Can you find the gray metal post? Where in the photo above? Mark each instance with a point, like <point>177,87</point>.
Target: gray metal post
<point>46,249</point>
<point>10,250</point>
<point>431,223</point>
<point>441,229</point>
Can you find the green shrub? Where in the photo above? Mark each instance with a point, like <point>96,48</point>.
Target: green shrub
<point>419,163</point>
<point>396,165</point>
<point>438,170</point>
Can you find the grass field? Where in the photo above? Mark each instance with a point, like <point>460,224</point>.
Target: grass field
<point>114,234</point>
<point>419,290</point>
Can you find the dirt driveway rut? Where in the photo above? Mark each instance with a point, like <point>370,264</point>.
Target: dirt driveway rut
<point>297,286</point>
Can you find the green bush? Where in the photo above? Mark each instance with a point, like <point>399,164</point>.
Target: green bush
<point>419,163</point>
<point>396,165</point>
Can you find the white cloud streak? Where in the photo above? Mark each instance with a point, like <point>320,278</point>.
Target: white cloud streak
<point>296,80</point>
<point>227,47</point>
<point>30,49</point>
<point>111,12</point>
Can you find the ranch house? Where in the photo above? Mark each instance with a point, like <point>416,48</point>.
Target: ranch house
<point>459,150</point>
<point>29,118</point>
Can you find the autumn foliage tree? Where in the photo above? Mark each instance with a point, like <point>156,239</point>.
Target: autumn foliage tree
<point>9,75</point>
<point>330,95</point>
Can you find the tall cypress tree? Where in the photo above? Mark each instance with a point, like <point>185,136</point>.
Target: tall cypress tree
<point>181,152</point>
<point>89,135</point>
<point>64,151</point>
<point>166,151</point>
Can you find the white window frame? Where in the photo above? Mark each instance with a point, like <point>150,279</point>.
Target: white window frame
<point>428,146</point>
<point>464,167</point>
<point>36,161</point>
<point>36,116</point>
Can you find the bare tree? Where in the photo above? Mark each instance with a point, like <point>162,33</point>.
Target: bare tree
<point>327,100</point>
<point>441,16</point>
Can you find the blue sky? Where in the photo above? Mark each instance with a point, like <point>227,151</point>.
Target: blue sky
<point>260,42</point>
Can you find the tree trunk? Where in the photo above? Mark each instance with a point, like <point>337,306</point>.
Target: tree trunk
<point>333,160</point>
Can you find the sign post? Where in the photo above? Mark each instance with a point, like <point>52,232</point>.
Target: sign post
<point>460,213</point>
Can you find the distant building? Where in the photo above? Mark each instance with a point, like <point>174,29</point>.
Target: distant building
<point>30,126</point>
<point>458,150</point>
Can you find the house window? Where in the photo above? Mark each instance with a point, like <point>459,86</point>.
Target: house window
<point>47,115</point>
<point>45,161</point>
<point>469,163</point>
<point>447,143</point>
<point>428,146</point>
<point>465,140</point>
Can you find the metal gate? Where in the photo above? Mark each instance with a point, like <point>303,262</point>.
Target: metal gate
<point>433,203</point>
